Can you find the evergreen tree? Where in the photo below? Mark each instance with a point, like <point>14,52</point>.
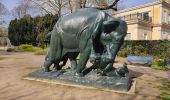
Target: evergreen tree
<point>28,30</point>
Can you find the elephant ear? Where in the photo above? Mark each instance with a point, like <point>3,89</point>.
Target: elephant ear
<point>110,25</point>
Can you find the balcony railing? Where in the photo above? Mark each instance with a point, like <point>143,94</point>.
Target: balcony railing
<point>137,16</point>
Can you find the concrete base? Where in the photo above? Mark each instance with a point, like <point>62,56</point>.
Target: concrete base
<point>90,81</point>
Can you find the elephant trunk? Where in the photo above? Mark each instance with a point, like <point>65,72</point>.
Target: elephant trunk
<point>115,48</point>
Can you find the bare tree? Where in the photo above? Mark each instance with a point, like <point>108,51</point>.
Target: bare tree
<point>17,12</point>
<point>98,4</point>
<point>75,4</point>
<point>3,11</point>
<point>57,6</point>
<point>106,4</point>
<point>22,9</point>
<point>50,6</point>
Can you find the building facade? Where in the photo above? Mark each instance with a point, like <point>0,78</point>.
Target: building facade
<point>147,22</point>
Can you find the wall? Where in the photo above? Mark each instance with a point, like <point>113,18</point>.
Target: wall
<point>156,33</point>
<point>159,11</point>
<point>142,31</point>
<point>153,9</point>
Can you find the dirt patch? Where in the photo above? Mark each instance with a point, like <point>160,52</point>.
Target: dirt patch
<point>17,65</point>
<point>3,52</point>
<point>1,58</point>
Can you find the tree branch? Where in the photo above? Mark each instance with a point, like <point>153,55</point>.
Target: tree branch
<point>41,7</point>
<point>112,6</point>
<point>71,9</point>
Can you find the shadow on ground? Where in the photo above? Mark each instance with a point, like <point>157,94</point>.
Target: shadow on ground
<point>135,74</point>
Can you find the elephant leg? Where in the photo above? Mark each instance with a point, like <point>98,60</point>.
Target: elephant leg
<point>47,63</point>
<point>84,56</point>
<point>73,59</point>
<point>108,68</point>
<point>46,66</point>
<point>73,64</point>
<point>54,52</point>
<point>87,70</point>
<point>93,55</point>
<point>64,61</point>
<point>56,66</point>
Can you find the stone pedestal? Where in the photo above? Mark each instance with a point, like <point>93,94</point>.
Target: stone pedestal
<point>90,80</point>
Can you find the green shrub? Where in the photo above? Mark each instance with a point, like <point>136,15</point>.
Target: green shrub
<point>159,64</point>
<point>29,48</point>
<point>165,90</point>
<point>25,46</point>
<point>138,50</point>
<point>159,48</point>
<point>168,52</point>
<point>41,52</point>
<point>123,52</point>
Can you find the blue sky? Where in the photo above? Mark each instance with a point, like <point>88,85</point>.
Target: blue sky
<point>10,4</point>
<point>132,3</point>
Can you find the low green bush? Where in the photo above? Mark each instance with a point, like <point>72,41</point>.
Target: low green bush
<point>25,46</point>
<point>41,52</point>
<point>123,52</point>
<point>29,48</point>
<point>159,48</point>
<point>138,50</point>
<point>165,90</point>
<point>159,64</point>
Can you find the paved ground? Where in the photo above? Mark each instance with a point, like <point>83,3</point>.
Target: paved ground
<point>14,66</point>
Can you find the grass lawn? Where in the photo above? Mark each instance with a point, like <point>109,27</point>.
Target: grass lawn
<point>165,90</point>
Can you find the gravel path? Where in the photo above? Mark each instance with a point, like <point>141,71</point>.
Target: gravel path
<point>14,66</point>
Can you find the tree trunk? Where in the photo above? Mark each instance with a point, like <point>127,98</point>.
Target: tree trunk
<point>75,5</point>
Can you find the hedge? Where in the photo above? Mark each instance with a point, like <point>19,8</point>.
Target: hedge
<point>158,48</point>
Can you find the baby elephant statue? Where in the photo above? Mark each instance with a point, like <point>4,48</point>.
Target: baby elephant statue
<point>85,31</point>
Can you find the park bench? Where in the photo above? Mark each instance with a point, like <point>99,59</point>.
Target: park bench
<point>139,60</point>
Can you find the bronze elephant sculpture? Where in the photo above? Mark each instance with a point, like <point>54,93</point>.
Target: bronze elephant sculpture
<point>81,32</point>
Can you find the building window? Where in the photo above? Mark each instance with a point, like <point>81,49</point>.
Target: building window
<point>164,17</point>
<point>146,16</point>
<point>128,36</point>
<point>145,36</point>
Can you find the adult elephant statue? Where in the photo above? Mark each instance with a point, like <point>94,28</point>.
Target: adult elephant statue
<point>80,32</point>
